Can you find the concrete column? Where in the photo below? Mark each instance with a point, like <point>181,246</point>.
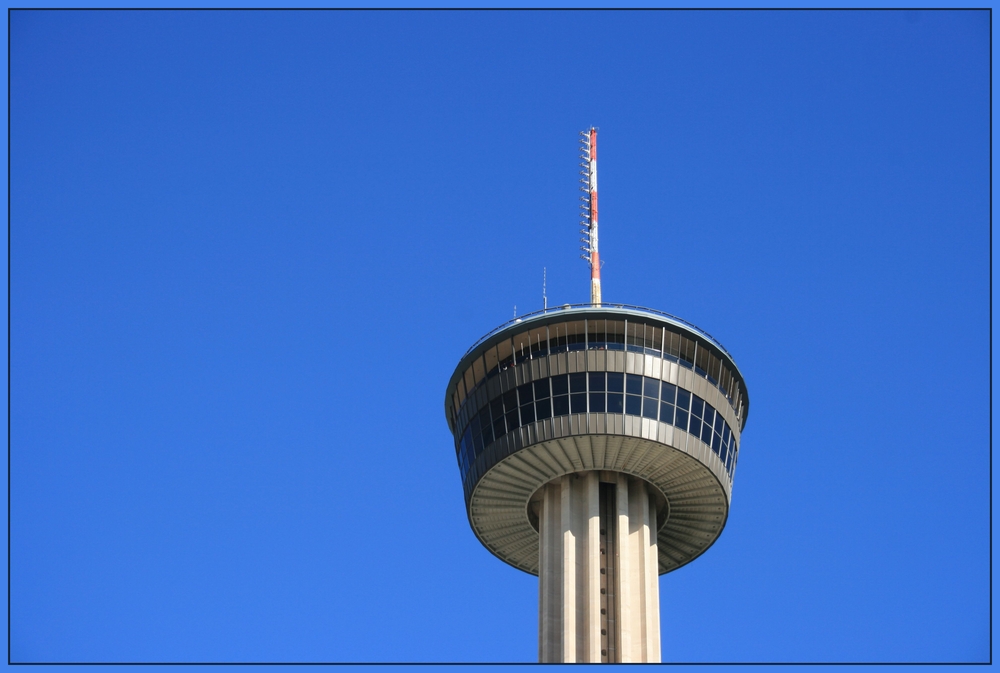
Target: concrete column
<point>570,620</point>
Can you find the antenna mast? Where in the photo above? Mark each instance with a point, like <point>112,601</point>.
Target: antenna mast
<point>588,156</point>
<point>545,299</point>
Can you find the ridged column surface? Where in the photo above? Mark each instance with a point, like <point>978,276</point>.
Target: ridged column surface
<point>577,547</point>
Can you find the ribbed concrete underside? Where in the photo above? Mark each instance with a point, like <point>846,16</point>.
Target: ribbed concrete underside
<point>697,505</point>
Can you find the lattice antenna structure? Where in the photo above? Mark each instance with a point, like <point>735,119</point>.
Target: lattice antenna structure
<point>588,211</point>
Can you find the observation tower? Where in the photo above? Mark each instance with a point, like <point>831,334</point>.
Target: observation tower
<point>597,445</point>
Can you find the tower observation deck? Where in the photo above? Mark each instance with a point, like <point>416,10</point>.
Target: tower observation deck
<point>597,445</point>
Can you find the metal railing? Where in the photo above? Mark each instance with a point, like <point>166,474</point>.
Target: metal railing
<point>556,309</point>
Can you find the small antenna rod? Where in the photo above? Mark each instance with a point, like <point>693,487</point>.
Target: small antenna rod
<point>545,299</point>
<point>588,155</point>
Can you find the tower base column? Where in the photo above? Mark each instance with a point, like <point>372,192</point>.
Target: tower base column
<point>598,575</point>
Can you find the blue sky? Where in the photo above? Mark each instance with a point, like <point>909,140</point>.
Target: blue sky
<point>247,250</point>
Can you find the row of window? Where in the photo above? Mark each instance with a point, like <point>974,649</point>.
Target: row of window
<point>599,334</point>
<point>596,392</point>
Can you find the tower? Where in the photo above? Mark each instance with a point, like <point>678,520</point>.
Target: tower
<point>597,445</point>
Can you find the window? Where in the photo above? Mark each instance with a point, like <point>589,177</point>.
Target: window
<point>633,384</point>
<point>698,406</point>
<point>616,382</point>
<point>477,370</point>
<point>522,347</point>
<point>686,355</point>
<point>505,354</point>
<point>541,389</point>
<point>539,339</point>
<point>543,409</point>
<point>576,335</point>
<point>651,387</point>
<point>596,334</point>
<point>616,335</point>
<point>635,333</point>
<point>650,407</point>
<point>576,393</point>
<point>492,363</point>
<point>597,381</point>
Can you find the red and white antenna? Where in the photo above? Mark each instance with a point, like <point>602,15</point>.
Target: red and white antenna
<point>588,154</point>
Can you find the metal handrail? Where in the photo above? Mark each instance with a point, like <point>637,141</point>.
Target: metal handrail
<point>632,307</point>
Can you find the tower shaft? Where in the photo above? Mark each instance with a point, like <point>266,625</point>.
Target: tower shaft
<point>598,573</point>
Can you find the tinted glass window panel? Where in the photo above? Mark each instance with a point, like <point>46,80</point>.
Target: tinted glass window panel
<point>695,427</point>
<point>633,404</point>
<point>560,405</point>
<point>706,433</point>
<point>595,333</point>
<point>522,347</point>
<point>596,402</point>
<point>616,334</point>
<point>633,384</point>
<point>716,442</point>
<point>683,399</point>
<point>477,442</point>
<point>667,412</point>
<point>474,426</point>
<point>510,400</point>
<point>560,384</point>
<point>505,353</point>
<point>524,394</point>
<point>557,338</point>
<point>654,339</point>
<point>616,403</point>
<point>469,381</point>
<point>616,382</point>
<point>578,403</point>
<point>651,387</point>
<point>477,370</point>
<point>650,407</point>
<point>541,389</point>
<point>496,407</point>
<point>539,341</point>
<point>681,418</point>
<point>726,434</point>
<point>543,409</point>
<point>499,427</point>
<point>596,381</point>
<point>576,335</point>
<point>578,383</point>
<point>512,421</point>
<point>491,361</point>
<point>668,393</point>
<point>719,423</point>
<point>527,414</point>
<point>687,352</point>
<point>708,415</point>
<point>672,344</point>
<point>698,406</point>
<point>634,338</point>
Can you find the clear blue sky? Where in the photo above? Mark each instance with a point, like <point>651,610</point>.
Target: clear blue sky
<point>247,250</point>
